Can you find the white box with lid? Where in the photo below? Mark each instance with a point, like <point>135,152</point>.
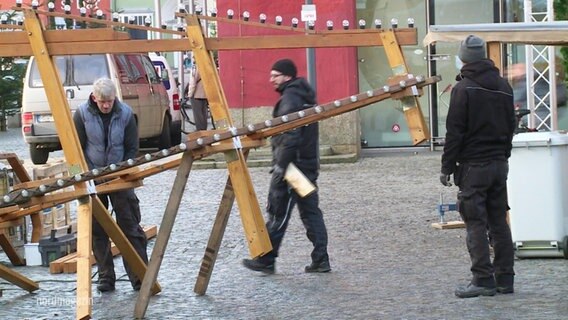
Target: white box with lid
<point>537,185</point>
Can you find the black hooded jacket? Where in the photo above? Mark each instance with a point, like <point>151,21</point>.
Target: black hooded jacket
<point>300,145</point>
<point>481,117</point>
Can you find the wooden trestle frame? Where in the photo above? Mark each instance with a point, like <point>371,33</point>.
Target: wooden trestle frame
<point>32,196</point>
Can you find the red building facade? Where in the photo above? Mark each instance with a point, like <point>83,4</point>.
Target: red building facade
<point>245,73</point>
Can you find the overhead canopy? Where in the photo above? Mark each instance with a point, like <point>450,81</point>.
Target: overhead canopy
<point>544,33</point>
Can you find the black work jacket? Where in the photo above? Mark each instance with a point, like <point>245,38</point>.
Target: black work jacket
<point>481,117</point>
<point>300,145</point>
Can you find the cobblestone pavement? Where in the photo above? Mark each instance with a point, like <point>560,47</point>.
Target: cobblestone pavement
<point>388,262</point>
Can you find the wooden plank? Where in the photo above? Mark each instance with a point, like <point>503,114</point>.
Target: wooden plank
<point>58,36</point>
<point>449,225</point>
<point>322,40</point>
<point>72,151</point>
<point>9,250</point>
<point>39,203</point>
<point>251,216</point>
<point>495,54</point>
<point>166,226</point>
<point>16,165</point>
<point>214,243</point>
<point>410,105</point>
<point>17,279</point>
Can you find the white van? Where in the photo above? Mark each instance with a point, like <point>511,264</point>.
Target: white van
<point>138,85</point>
<point>165,72</point>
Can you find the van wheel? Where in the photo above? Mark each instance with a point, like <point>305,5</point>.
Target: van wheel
<point>38,156</point>
<point>176,133</point>
<point>165,140</point>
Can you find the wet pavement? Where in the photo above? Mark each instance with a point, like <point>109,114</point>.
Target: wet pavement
<point>387,260</point>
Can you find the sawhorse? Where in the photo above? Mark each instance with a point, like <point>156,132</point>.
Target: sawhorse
<point>442,209</point>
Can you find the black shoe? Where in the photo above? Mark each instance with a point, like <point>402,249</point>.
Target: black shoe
<point>472,291</point>
<point>505,289</point>
<point>137,285</point>
<point>257,265</point>
<point>105,286</point>
<point>320,267</point>
<point>505,284</point>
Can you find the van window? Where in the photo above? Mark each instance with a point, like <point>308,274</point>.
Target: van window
<point>35,78</point>
<point>160,68</point>
<point>152,75</point>
<point>85,70</point>
<point>122,67</point>
<point>88,68</point>
<point>137,72</point>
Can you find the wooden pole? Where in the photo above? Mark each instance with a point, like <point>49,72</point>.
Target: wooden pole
<point>251,216</point>
<point>163,237</point>
<point>73,154</point>
<point>214,243</point>
<point>411,107</point>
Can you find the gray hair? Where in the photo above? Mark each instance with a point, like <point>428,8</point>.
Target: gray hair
<point>104,89</point>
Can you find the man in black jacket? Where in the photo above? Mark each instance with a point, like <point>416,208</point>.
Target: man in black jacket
<point>479,134</point>
<point>301,147</point>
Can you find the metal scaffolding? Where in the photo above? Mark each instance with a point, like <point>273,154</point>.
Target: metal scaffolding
<point>541,74</point>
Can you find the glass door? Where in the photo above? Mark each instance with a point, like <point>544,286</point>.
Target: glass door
<point>383,124</point>
<point>443,59</point>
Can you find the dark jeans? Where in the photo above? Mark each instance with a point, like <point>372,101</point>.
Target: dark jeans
<point>281,201</point>
<point>200,108</point>
<point>482,202</point>
<point>127,211</point>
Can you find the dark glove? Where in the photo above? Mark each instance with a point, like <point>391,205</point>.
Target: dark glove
<point>277,173</point>
<point>445,179</point>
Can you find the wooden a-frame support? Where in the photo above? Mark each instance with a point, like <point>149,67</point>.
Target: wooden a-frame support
<point>239,185</point>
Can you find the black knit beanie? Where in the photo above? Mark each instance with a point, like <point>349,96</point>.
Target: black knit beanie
<point>286,67</point>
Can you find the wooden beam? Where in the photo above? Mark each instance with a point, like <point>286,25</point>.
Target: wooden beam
<point>17,279</point>
<point>166,227</point>
<point>71,149</point>
<point>39,203</point>
<point>410,105</point>
<point>5,244</point>
<point>251,216</point>
<point>495,54</point>
<point>214,243</point>
<point>320,40</point>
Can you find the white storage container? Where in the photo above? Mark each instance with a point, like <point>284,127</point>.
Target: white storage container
<point>538,176</point>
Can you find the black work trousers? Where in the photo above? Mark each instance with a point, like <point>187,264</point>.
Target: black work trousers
<point>200,108</point>
<point>281,202</point>
<point>127,211</point>
<point>482,203</point>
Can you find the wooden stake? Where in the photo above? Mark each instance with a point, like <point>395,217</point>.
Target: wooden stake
<point>251,216</point>
<point>163,235</point>
<point>411,107</point>
<point>17,279</point>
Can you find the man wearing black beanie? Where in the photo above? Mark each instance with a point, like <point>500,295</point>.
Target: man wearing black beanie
<point>479,134</point>
<point>299,146</point>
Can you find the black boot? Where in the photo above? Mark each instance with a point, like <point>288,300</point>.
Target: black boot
<point>505,284</point>
<point>259,265</point>
<point>318,267</point>
<point>472,291</point>
<point>105,285</point>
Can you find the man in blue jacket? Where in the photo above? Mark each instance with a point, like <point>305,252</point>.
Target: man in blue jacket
<point>108,134</point>
<point>301,147</point>
<point>479,134</point>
